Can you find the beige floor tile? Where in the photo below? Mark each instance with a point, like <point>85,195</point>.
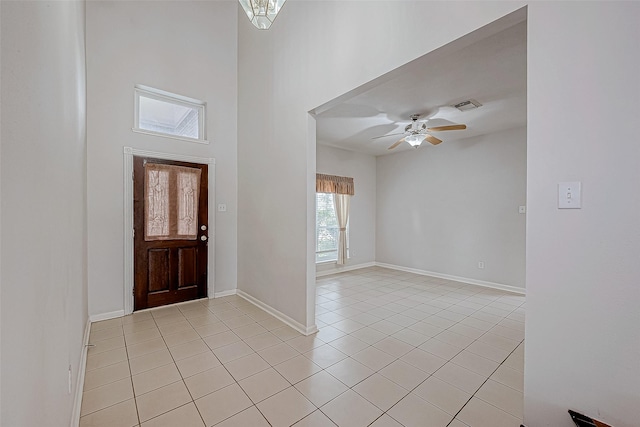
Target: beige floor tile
<point>386,327</point>
<point>136,327</point>
<point>285,333</point>
<point>380,391</point>
<point>106,345</point>
<point>488,351</point>
<point>104,334</point>
<point>155,378</point>
<point>208,381</point>
<point>423,360</point>
<point>239,321</point>
<point>509,377</point>
<point>209,329</point>
<point>325,355</point>
<point>137,317</point>
<point>305,343</point>
<point>368,335</point>
<point>320,388</point>
<point>513,334</point>
<point>106,324</point>
<point>394,346</point>
<point>285,408</point>
<point>122,414</point>
<point>221,339</point>
<point>315,419</point>
<point>232,351</point>
<point>177,327</point>
<point>475,363</point>
<point>454,339</point>
<point>457,423</point>
<point>278,353</point>
<point>478,413</point>
<point>351,409</point>
<point>499,341</point>
<point>467,331</point>
<point>162,400</point>
<point>150,361</point>
<point>403,374</point>
<point>184,416</point>
<point>386,421</point>
<point>460,377</point>
<point>246,366</point>
<point>222,404</point>
<point>349,345</point>
<point>189,349</point>
<point>105,396</point>
<point>106,375</point>
<point>206,319</point>
<point>503,397</point>
<point>248,331</point>
<point>297,368</point>
<point>329,333</point>
<point>250,417</point>
<point>413,411</point>
<point>196,364</point>
<point>445,396</point>
<point>373,358</point>
<point>181,338</point>
<point>146,347</point>
<point>100,360</point>
<point>350,371</point>
<point>264,384</point>
<point>142,336</point>
<point>262,341</point>
<point>228,313</point>
<point>410,337</point>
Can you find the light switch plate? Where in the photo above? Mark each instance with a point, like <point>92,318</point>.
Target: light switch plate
<point>569,195</point>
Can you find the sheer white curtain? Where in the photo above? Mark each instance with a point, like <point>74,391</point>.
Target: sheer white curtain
<point>341,203</point>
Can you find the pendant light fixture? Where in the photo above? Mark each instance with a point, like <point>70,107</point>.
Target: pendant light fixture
<point>262,13</point>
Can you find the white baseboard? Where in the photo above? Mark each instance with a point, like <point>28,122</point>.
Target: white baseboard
<point>77,400</point>
<point>279,315</point>
<point>224,293</point>
<point>106,316</point>
<point>341,269</point>
<point>482,283</point>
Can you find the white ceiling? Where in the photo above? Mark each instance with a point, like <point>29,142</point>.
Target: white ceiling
<point>491,70</point>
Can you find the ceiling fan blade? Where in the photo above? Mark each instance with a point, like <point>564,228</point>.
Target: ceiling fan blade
<point>433,140</point>
<point>448,127</point>
<point>391,134</point>
<point>398,142</point>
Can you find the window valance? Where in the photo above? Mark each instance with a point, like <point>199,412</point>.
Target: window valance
<point>334,184</point>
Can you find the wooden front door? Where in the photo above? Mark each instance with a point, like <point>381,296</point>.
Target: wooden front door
<point>170,231</point>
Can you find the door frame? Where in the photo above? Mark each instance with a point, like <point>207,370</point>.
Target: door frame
<point>129,152</point>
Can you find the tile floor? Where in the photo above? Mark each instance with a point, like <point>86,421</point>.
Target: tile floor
<point>393,349</point>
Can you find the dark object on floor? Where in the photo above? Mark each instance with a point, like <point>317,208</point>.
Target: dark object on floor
<point>584,421</point>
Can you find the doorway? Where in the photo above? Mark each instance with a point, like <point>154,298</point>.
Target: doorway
<point>128,231</point>
<point>170,231</point>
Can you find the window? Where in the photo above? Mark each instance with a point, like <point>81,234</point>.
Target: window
<point>327,229</point>
<point>162,113</point>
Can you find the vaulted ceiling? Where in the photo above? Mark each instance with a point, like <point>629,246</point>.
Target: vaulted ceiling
<point>491,70</point>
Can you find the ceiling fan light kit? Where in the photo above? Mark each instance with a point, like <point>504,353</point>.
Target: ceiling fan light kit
<point>416,132</point>
<point>262,13</point>
<point>415,140</point>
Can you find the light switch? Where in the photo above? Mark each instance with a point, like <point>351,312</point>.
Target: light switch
<point>569,196</point>
<point>222,207</point>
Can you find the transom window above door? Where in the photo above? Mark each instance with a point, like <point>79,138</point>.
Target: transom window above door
<point>166,114</point>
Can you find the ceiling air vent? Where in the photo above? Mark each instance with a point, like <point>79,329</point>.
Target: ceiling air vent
<point>467,105</point>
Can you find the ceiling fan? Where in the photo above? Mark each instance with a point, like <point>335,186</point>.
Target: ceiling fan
<point>416,132</point>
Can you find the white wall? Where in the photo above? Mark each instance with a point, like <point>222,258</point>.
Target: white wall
<point>583,267</point>
<point>44,283</point>
<point>314,52</point>
<point>184,47</point>
<point>362,215</point>
<point>443,208</point>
